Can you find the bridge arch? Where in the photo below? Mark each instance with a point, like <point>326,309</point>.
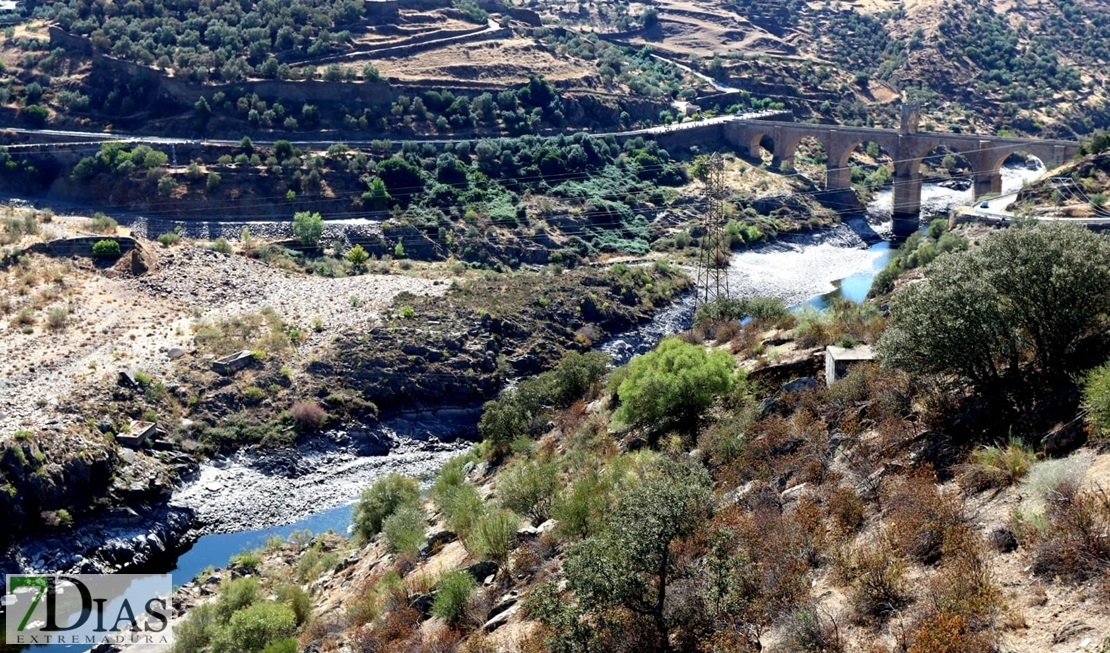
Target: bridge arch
<point>761,146</point>
<point>839,166</point>
<point>808,156</point>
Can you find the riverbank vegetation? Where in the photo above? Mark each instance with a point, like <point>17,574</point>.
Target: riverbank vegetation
<point>694,497</point>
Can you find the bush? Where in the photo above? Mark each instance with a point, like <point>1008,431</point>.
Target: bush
<point>222,246</point>
<point>193,634</point>
<point>494,536</point>
<point>528,488</point>
<point>878,587</point>
<point>998,465</point>
<point>106,249</point>
<point>57,317</point>
<point>298,600</point>
<point>462,507</point>
<point>673,384</point>
<point>404,528</point>
<point>381,500</point>
<point>252,628</point>
<point>170,238</point>
<point>236,595</point>
<point>807,632</point>
<point>102,224</point>
<point>287,645</point>
<point>503,420</point>
<point>452,593</point>
<point>580,507</point>
<point>357,257</point>
<point>307,416</point>
<point>574,375</point>
<point>1096,400</point>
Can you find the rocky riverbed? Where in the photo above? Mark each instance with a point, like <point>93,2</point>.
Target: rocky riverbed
<point>258,489</point>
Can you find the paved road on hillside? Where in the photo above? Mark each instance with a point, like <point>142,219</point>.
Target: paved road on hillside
<point>85,137</point>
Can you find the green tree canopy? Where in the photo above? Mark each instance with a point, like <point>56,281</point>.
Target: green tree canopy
<point>1030,292</point>
<point>308,228</point>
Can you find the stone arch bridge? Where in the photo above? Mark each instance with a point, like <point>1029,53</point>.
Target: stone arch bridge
<point>906,146</point>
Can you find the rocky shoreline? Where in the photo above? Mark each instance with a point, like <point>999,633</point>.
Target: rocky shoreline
<point>247,491</point>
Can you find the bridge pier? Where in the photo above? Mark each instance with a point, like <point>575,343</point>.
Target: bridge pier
<point>906,204</point>
<point>837,177</point>
<point>985,174</point>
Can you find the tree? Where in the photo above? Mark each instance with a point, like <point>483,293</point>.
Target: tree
<point>308,228</point>
<point>381,500</point>
<point>357,257</point>
<point>377,197</point>
<point>631,564</point>
<point>673,383</point>
<point>1030,292</point>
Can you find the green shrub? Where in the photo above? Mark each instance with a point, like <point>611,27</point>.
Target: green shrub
<point>380,500</point>
<point>1003,465</point>
<point>252,628</point>
<point>1096,400</point>
<point>106,248</point>
<point>528,488</point>
<point>452,593</point>
<point>169,238</point>
<point>404,529</point>
<point>102,224</point>
<point>673,384</point>
<point>248,563</point>
<point>494,536</point>
<point>236,595</point>
<point>580,508</point>
<point>1032,293</point>
<point>222,246</point>
<point>462,507</point>
<point>286,645</point>
<point>298,600</point>
<point>193,634</point>
<point>503,420</point>
<point>574,375</point>
<point>357,256</point>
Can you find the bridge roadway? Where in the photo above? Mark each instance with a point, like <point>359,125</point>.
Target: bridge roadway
<point>748,133</point>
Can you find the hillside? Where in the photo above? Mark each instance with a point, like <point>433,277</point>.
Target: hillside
<point>718,495</point>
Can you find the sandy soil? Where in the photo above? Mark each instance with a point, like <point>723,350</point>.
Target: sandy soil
<point>507,61</point>
<point>117,321</point>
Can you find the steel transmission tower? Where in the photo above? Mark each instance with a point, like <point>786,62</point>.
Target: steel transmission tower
<point>712,282</point>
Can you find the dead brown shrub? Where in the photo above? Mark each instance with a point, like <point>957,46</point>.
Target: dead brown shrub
<point>307,416</point>
<point>846,510</point>
<point>921,516</point>
<point>964,585</point>
<point>1076,544</point>
<point>943,632</point>
<point>878,587</point>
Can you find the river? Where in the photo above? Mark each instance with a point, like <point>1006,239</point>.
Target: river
<point>803,270</point>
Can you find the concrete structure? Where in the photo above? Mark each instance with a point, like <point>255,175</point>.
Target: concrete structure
<point>839,360</point>
<point>137,434</point>
<point>232,363</point>
<point>907,146</point>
